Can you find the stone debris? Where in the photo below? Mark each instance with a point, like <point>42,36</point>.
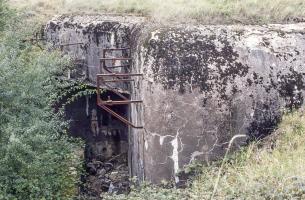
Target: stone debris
<point>111,176</point>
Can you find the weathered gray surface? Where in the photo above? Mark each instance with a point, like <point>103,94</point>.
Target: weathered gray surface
<point>204,84</point>
<point>95,33</point>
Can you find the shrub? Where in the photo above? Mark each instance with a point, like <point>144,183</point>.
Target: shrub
<point>37,159</point>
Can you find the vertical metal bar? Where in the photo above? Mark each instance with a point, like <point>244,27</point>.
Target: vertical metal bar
<point>100,80</point>
<point>118,116</point>
<point>98,92</point>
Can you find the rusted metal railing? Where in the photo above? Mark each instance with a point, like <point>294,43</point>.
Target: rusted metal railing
<point>102,80</point>
<point>125,101</point>
<point>104,59</point>
<point>109,76</point>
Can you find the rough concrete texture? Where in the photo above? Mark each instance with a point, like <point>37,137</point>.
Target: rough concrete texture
<point>84,37</point>
<point>204,84</point>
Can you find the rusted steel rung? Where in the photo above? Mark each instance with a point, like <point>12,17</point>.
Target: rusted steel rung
<point>115,78</point>
<point>125,100</point>
<point>111,102</point>
<point>115,91</point>
<point>105,67</point>
<point>119,75</point>
<point>70,44</point>
<point>104,103</point>
<point>118,66</point>
<point>115,58</point>
<point>104,50</point>
<point>114,49</point>
<point>118,80</point>
<point>104,59</point>
<point>119,116</point>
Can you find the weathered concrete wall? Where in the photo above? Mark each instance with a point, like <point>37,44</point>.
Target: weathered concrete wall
<point>205,84</point>
<point>94,33</point>
<point>202,85</point>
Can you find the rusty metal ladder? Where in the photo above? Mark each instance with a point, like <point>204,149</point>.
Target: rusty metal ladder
<point>102,80</point>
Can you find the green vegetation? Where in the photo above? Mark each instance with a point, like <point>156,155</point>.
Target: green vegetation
<point>37,159</point>
<point>202,11</point>
<point>270,169</point>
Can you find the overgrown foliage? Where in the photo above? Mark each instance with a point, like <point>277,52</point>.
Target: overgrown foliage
<point>37,158</point>
<point>270,169</point>
<point>198,11</point>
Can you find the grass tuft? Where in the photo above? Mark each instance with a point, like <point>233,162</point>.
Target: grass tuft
<point>274,171</point>
<point>198,11</point>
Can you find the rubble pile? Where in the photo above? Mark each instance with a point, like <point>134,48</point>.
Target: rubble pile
<point>109,176</point>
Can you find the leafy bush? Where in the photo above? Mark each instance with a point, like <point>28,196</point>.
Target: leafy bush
<point>37,158</point>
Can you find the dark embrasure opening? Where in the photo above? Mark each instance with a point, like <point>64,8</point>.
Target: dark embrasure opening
<point>106,149</point>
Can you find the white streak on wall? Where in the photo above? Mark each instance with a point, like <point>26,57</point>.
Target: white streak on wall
<point>162,139</point>
<point>146,145</point>
<point>175,157</point>
<point>112,40</point>
<point>194,155</point>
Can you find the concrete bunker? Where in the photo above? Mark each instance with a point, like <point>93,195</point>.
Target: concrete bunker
<point>201,85</point>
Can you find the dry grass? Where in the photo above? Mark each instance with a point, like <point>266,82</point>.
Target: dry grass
<point>274,172</point>
<point>202,11</point>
